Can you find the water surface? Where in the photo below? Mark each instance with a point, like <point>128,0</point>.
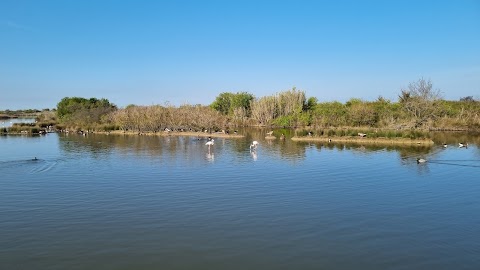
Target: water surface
<point>137,202</point>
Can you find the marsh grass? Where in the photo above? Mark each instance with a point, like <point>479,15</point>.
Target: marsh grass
<point>29,128</point>
<point>371,133</point>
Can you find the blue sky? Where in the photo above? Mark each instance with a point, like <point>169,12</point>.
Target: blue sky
<point>152,52</point>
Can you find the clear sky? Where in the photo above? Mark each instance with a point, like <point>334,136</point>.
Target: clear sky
<point>152,52</point>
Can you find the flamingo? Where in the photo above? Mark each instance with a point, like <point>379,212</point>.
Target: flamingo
<point>209,143</point>
<point>254,145</point>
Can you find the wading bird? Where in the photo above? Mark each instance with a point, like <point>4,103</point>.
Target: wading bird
<point>209,143</point>
<point>254,145</point>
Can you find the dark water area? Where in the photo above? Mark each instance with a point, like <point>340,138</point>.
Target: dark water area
<point>141,202</point>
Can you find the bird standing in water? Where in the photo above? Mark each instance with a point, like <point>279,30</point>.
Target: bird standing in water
<point>254,145</point>
<point>209,143</point>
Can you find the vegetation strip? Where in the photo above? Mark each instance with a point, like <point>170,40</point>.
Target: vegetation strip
<point>349,139</point>
<point>173,133</point>
<point>419,107</point>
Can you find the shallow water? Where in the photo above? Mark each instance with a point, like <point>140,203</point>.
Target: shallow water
<point>136,202</point>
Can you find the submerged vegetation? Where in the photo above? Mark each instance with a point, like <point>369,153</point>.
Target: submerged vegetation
<point>419,108</point>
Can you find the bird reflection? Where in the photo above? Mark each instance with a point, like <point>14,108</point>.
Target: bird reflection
<point>254,155</point>
<point>210,156</point>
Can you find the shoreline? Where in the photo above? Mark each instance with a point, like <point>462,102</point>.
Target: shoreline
<point>171,133</point>
<point>380,140</point>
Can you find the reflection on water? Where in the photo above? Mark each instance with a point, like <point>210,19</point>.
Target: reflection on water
<point>158,146</point>
<point>146,202</point>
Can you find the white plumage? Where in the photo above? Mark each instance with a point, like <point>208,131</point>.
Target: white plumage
<point>209,143</point>
<point>254,145</point>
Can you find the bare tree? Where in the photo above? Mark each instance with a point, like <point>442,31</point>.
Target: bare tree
<point>420,101</point>
<point>264,109</point>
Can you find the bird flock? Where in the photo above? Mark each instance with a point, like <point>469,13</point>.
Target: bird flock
<point>254,145</point>
<point>460,145</point>
<point>253,148</point>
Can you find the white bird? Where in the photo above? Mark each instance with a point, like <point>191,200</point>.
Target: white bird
<point>254,145</point>
<point>209,143</point>
<point>445,145</point>
<point>460,145</point>
<point>421,160</point>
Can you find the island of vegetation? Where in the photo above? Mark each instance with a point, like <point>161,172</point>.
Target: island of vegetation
<point>419,109</point>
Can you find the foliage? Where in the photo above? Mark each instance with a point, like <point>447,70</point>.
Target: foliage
<point>420,101</point>
<point>361,113</point>
<point>83,112</point>
<point>282,109</point>
<point>418,107</point>
<point>231,103</point>
<point>264,109</point>
<point>329,114</point>
<point>311,104</point>
<point>157,118</point>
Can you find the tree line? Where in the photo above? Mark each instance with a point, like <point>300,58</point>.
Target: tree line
<point>419,106</point>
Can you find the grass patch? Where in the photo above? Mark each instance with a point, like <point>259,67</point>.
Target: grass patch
<point>371,133</point>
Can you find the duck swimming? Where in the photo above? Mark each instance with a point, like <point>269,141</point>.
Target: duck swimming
<point>421,160</point>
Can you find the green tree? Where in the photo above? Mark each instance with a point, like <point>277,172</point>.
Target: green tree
<point>229,103</point>
<point>82,111</point>
<point>311,103</point>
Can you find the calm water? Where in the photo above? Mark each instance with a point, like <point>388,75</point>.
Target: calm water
<point>115,202</point>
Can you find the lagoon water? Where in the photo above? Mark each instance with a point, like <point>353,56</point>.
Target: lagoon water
<point>137,202</point>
